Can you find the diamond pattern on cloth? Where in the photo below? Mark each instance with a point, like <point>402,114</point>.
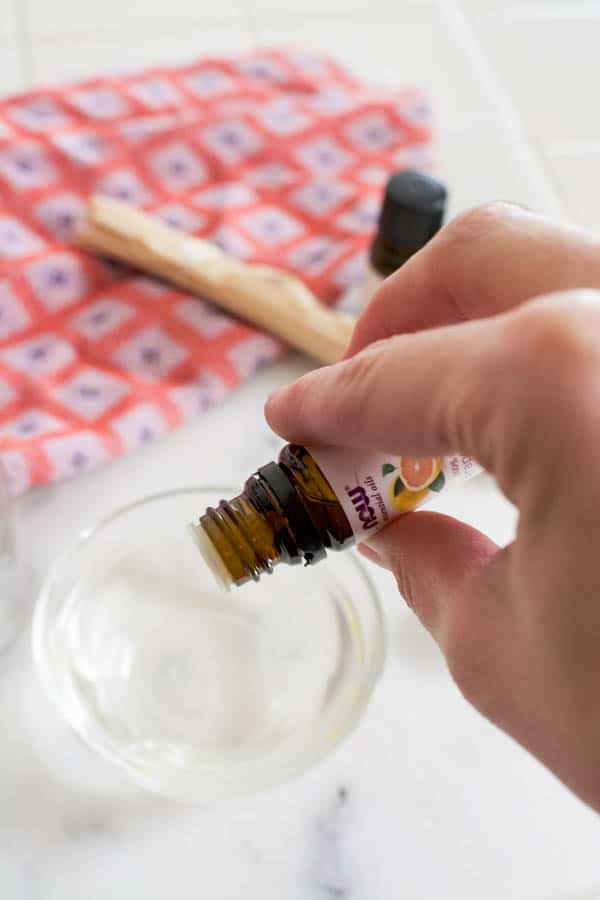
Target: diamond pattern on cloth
<point>278,157</point>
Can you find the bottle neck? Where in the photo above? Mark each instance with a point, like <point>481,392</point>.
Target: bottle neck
<point>264,525</point>
<point>242,535</point>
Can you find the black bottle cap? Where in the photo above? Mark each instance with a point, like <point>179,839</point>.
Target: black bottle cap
<point>413,208</point>
<point>304,538</point>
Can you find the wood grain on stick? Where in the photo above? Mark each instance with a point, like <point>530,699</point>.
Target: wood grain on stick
<point>271,298</point>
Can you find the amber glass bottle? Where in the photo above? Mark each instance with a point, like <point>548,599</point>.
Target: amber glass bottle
<point>287,512</point>
<point>311,501</point>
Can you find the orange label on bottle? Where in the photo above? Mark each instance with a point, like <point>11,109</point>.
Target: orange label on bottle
<point>373,487</point>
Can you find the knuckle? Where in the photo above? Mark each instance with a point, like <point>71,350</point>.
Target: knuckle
<point>549,372</point>
<point>547,342</point>
<point>408,589</point>
<point>480,220</point>
<point>356,382</point>
<point>464,251</point>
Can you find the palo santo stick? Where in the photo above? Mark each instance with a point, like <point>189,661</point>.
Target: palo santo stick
<point>270,298</point>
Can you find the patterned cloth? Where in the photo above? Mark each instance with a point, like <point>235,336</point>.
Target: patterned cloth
<point>278,157</point>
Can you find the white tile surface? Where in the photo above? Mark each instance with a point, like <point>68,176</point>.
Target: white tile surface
<point>421,49</point>
<point>577,172</point>
<point>52,17</point>
<point>490,166</point>
<point>391,9</point>
<point>11,78</point>
<point>7,20</point>
<point>56,63</point>
<point>530,7</point>
<point>551,66</point>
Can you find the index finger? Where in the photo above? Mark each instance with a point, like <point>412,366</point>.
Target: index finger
<point>498,390</point>
<point>411,394</point>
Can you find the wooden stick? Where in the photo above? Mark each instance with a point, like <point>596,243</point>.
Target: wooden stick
<point>270,298</point>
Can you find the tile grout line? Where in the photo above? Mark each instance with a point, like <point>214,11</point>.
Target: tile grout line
<point>495,84</point>
<point>23,40</point>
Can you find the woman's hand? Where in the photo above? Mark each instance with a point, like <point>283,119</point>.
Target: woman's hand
<point>453,355</point>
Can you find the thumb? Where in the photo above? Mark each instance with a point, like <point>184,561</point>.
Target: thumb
<point>440,565</point>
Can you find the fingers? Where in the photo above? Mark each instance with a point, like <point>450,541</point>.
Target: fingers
<point>453,577</point>
<point>499,389</point>
<point>423,394</point>
<point>432,558</point>
<point>485,262</point>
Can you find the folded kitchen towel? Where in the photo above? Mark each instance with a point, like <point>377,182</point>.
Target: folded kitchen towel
<point>279,157</point>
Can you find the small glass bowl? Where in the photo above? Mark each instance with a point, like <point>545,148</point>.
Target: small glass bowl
<point>198,694</point>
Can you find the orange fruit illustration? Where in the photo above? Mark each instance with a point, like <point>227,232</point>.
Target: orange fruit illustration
<point>412,482</point>
<point>418,472</point>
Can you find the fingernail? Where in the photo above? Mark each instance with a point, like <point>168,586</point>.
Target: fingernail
<point>378,548</point>
<point>367,551</point>
<point>376,544</point>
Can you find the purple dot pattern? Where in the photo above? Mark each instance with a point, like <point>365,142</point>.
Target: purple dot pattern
<point>279,158</point>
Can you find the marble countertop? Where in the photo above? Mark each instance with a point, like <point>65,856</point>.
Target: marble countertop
<point>425,800</point>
